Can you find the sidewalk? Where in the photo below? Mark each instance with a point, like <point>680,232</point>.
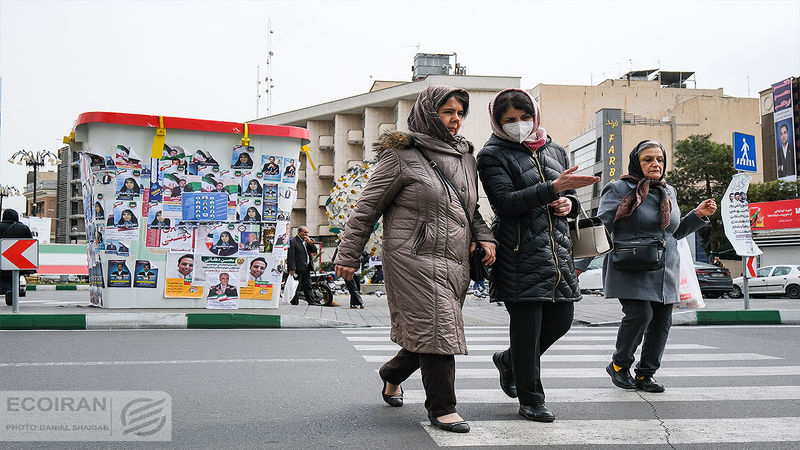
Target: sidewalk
<point>75,313</point>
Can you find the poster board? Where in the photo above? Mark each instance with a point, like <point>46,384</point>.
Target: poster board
<point>188,222</point>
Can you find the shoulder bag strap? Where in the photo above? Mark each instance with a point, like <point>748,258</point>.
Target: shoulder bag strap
<point>449,185</point>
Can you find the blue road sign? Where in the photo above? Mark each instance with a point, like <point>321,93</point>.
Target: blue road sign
<point>744,152</point>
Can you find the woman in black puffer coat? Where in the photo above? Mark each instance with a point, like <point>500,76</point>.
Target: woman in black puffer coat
<point>531,189</point>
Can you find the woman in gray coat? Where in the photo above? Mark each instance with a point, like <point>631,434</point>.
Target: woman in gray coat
<point>641,206</point>
<point>426,244</point>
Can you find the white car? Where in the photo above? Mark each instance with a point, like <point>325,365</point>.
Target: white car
<point>591,280</point>
<point>771,280</point>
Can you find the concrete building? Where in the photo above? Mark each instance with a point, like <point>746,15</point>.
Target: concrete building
<point>343,131</point>
<point>70,226</point>
<point>46,197</point>
<point>636,110</point>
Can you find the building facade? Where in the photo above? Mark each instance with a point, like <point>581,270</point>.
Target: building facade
<point>70,226</point>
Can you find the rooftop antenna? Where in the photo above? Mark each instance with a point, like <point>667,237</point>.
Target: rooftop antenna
<point>748,84</point>
<point>268,79</point>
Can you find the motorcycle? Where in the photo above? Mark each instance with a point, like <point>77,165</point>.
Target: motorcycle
<point>321,283</point>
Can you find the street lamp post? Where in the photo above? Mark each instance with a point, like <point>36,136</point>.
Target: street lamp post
<point>7,191</point>
<point>35,160</point>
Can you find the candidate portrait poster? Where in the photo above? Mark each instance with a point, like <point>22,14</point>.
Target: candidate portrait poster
<point>181,279</point>
<point>145,276</point>
<point>118,273</point>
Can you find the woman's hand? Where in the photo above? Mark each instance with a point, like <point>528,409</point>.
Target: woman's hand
<point>488,250</point>
<point>561,207</point>
<point>706,208</point>
<point>567,181</point>
<point>345,272</point>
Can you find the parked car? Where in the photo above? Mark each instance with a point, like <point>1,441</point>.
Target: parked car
<point>714,281</point>
<point>771,280</point>
<point>591,280</point>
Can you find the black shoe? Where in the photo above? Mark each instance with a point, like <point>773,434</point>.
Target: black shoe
<point>392,400</point>
<point>294,302</point>
<point>648,384</point>
<point>506,376</point>
<point>356,306</point>
<point>537,412</point>
<point>621,379</point>
<point>455,427</point>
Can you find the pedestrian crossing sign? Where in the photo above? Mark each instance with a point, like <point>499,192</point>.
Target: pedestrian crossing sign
<point>744,152</point>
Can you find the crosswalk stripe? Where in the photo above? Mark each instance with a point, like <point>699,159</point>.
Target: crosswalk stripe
<point>599,372</point>
<point>613,394</point>
<point>621,432</point>
<point>472,331</point>
<point>487,338</point>
<point>556,347</point>
<point>604,357</point>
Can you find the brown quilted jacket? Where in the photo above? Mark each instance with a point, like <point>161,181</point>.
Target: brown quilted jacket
<point>426,237</point>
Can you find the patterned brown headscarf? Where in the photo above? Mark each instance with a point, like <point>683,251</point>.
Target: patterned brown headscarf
<point>424,117</point>
<point>643,184</point>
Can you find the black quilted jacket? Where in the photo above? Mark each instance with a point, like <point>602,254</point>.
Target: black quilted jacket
<point>534,251</point>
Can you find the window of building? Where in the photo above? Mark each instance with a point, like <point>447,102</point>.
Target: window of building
<point>598,153</point>
<point>76,173</point>
<point>597,187</point>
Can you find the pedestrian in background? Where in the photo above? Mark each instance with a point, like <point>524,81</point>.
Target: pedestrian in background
<point>531,188</point>
<point>354,285</point>
<point>642,207</point>
<point>300,261</point>
<point>426,245</point>
<point>11,228</point>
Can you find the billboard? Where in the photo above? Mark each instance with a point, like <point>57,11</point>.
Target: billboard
<point>785,156</point>
<point>775,215</point>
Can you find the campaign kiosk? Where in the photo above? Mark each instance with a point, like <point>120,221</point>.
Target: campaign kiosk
<point>186,213</point>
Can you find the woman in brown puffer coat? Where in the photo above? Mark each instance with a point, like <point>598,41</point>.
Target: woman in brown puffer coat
<point>426,245</point>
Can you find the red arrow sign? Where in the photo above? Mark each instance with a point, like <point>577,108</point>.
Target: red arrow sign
<point>17,254</point>
<point>751,271</point>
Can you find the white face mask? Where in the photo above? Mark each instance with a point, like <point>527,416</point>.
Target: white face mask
<point>519,131</point>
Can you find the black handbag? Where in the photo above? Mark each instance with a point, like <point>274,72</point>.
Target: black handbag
<point>640,254</point>
<point>478,271</point>
<point>643,255</point>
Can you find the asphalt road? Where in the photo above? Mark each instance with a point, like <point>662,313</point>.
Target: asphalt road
<point>727,387</point>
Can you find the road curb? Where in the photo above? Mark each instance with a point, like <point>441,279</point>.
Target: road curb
<point>57,287</point>
<point>42,321</point>
<point>127,320</point>
<point>734,317</point>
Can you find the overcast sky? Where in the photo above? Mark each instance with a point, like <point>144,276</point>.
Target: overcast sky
<point>199,59</point>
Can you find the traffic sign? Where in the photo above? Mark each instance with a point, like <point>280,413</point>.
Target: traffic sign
<point>19,254</point>
<point>750,270</point>
<point>744,152</point>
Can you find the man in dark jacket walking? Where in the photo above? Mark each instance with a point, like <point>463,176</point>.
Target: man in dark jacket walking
<point>11,228</point>
<point>300,261</point>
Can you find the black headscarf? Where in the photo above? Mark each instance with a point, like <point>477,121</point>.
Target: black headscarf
<point>424,117</point>
<point>643,184</point>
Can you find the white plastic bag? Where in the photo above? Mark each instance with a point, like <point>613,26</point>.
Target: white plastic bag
<point>289,288</point>
<point>690,295</point>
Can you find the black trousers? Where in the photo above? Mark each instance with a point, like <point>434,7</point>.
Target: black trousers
<point>305,285</point>
<point>354,288</point>
<point>534,327</point>
<point>648,320</point>
<point>438,378</point>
